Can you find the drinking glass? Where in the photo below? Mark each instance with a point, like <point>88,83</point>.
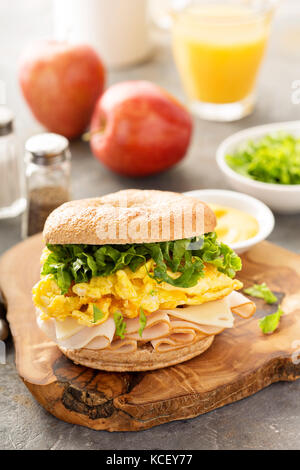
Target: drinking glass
<point>218,48</point>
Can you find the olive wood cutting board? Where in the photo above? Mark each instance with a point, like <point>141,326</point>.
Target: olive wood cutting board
<point>240,362</point>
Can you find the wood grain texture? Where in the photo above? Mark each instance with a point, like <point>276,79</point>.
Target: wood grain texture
<point>240,362</point>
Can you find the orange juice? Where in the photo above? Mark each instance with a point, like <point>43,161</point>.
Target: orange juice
<point>218,50</point>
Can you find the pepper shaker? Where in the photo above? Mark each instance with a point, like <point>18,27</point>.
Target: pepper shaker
<point>48,167</point>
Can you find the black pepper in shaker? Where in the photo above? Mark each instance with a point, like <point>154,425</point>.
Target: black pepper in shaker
<point>48,167</point>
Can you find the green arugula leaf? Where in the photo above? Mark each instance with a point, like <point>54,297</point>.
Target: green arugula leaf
<point>79,263</point>
<point>262,291</point>
<point>143,321</point>
<point>270,323</point>
<point>98,314</point>
<point>120,325</point>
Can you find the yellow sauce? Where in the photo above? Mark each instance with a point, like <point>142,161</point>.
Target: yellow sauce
<point>233,225</point>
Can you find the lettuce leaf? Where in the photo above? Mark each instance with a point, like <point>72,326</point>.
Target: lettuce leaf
<point>120,325</point>
<point>79,263</point>
<point>270,323</point>
<point>272,159</point>
<point>98,314</point>
<point>262,291</point>
<point>143,321</point>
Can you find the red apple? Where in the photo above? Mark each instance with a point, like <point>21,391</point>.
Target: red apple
<point>61,84</point>
<point>139,129</point>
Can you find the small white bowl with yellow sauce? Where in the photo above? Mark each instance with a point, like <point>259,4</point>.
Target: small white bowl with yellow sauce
<point>242,220</point>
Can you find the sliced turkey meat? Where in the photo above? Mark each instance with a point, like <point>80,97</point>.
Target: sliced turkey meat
<point>241,305</point>
<point>123,345</point>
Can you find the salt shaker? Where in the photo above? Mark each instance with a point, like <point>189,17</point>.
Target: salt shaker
<point>12,200</point>
<point>48,166</point>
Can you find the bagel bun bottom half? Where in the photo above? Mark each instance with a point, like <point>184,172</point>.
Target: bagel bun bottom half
<point>144,358</point>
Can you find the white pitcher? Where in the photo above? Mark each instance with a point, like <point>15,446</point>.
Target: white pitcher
<point>117,29</point>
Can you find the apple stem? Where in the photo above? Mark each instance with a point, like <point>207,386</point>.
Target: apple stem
<point>86,137</point>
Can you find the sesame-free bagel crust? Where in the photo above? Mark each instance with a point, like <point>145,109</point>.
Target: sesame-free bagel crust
<point>130,216</point>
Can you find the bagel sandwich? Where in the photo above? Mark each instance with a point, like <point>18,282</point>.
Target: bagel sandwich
<point>136,280</point>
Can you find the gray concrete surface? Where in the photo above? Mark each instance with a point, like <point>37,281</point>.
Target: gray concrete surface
<point>268,420</point>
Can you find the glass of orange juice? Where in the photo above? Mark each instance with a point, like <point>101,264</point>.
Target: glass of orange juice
<point>218,47</point>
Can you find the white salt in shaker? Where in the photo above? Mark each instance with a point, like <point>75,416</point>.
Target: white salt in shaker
<point>12,199</point>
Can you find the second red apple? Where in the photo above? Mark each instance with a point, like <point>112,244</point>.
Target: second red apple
<point>139,129</point>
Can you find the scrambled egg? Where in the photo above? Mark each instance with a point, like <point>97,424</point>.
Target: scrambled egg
<point>126,291</point>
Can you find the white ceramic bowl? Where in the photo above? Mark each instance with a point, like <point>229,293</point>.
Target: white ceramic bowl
<point>244,203</point>
<point>281,198</point>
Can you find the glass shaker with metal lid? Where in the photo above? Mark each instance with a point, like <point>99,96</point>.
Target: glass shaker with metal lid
<point>48,166</point>
<point>12,200</point>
